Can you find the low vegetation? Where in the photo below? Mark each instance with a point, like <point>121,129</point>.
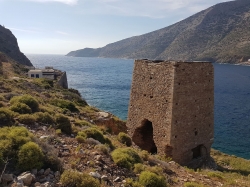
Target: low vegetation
<point>30,156</point>
<point>74,178</point>
<point>124,138</point>
<point>148,178</point>
<point>6,117</point>
<point>28,100</point>
<point>125,157</point>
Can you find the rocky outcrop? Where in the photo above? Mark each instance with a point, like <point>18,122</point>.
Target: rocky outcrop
<point>219,33</point>
<point>41,178</point>
<point>110,122</point>
<point>9,46</point>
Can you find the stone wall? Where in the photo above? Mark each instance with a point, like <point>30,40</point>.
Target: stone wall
<point>171,108</point>
<point>63,82</point>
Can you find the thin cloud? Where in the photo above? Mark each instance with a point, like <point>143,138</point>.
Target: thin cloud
<point>146,8</point>
<point>62,33</point>
<point>22,30</point>
<point>68,2</point>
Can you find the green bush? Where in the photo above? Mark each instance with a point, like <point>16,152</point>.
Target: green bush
<point>93,133</point>
<point>1,98</point>
<point>21,108</point>
<point>6,117</point>
<point>18,136</point>
<point>82,123</point>
<point>76,179</point>
<point>150,179</point>
<point>125,157</point>
<point>102,148</point>
<point>124,138</point>
<point>109,142</point>
<point>75,96</point>
<point>10,140</point>
<point>64,104</point>
<point>131,183</point>
<point>155,169</point>
<point>44,83</point>
<point>28,100</point>
<point>144,155</point>
<point>63,123</point>
<point>80,139</point>
<point>27,119</point>
<point>47,109</point>
<point>2,104</point>
<point>30,156</point>
<point>44,117</point>
<point>6,147</point>
<point>139,167</point>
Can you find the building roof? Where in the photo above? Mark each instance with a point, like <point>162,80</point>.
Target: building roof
<point>35,71</point>
<point>48,70</point>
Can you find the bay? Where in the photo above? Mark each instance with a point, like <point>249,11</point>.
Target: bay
<point>105,83</point>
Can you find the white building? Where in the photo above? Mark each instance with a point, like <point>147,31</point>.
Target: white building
<point>42,73</point>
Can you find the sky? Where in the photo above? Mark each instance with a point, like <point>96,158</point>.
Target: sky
<point>61,26</point>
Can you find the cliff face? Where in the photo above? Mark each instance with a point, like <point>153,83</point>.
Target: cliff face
<point>9,46</point>
<point>219,33</point>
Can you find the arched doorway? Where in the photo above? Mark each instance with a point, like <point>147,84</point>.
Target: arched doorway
<point>143,137</point>
<point>199,151</point>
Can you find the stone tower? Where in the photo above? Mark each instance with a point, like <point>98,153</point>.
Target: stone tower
<point>171,108</point>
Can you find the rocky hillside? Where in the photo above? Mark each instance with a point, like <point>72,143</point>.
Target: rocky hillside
<point>9,46</point>
<point>219,33</point>
<point>50,137</point>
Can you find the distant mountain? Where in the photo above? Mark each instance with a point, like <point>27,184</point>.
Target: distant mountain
<point>220,33</point>
<point>9,46</point>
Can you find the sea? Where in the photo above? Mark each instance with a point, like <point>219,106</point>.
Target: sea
<point>105,83</point>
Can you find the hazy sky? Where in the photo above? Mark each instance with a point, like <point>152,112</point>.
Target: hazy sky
<point>60,26</point>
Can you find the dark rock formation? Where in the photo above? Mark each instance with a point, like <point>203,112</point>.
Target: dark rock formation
<point>219,33</point>
<point>9,46</point>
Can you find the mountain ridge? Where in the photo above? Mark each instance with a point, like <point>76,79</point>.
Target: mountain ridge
<point>219,34</point>
<point>9,46</point>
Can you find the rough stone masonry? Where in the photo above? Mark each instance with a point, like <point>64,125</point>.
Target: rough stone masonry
<point>171,108</point>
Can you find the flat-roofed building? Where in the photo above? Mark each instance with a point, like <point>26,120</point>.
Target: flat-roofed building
<point>42,73</point>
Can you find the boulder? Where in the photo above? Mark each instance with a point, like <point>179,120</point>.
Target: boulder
<point>57,174</point>
<point>104,177</point>
<point>7,178</point>
<point>47,171</point>
<point>47,184</point>
<point>37,184</point>
<point>26,178</point>
<point>41,172</point>
<point>95,175</point>
<point>34,171</point>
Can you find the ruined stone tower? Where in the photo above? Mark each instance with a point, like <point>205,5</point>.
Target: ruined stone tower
<point>171,108</point>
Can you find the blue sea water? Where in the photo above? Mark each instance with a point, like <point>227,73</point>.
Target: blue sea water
<point>105,83</point>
